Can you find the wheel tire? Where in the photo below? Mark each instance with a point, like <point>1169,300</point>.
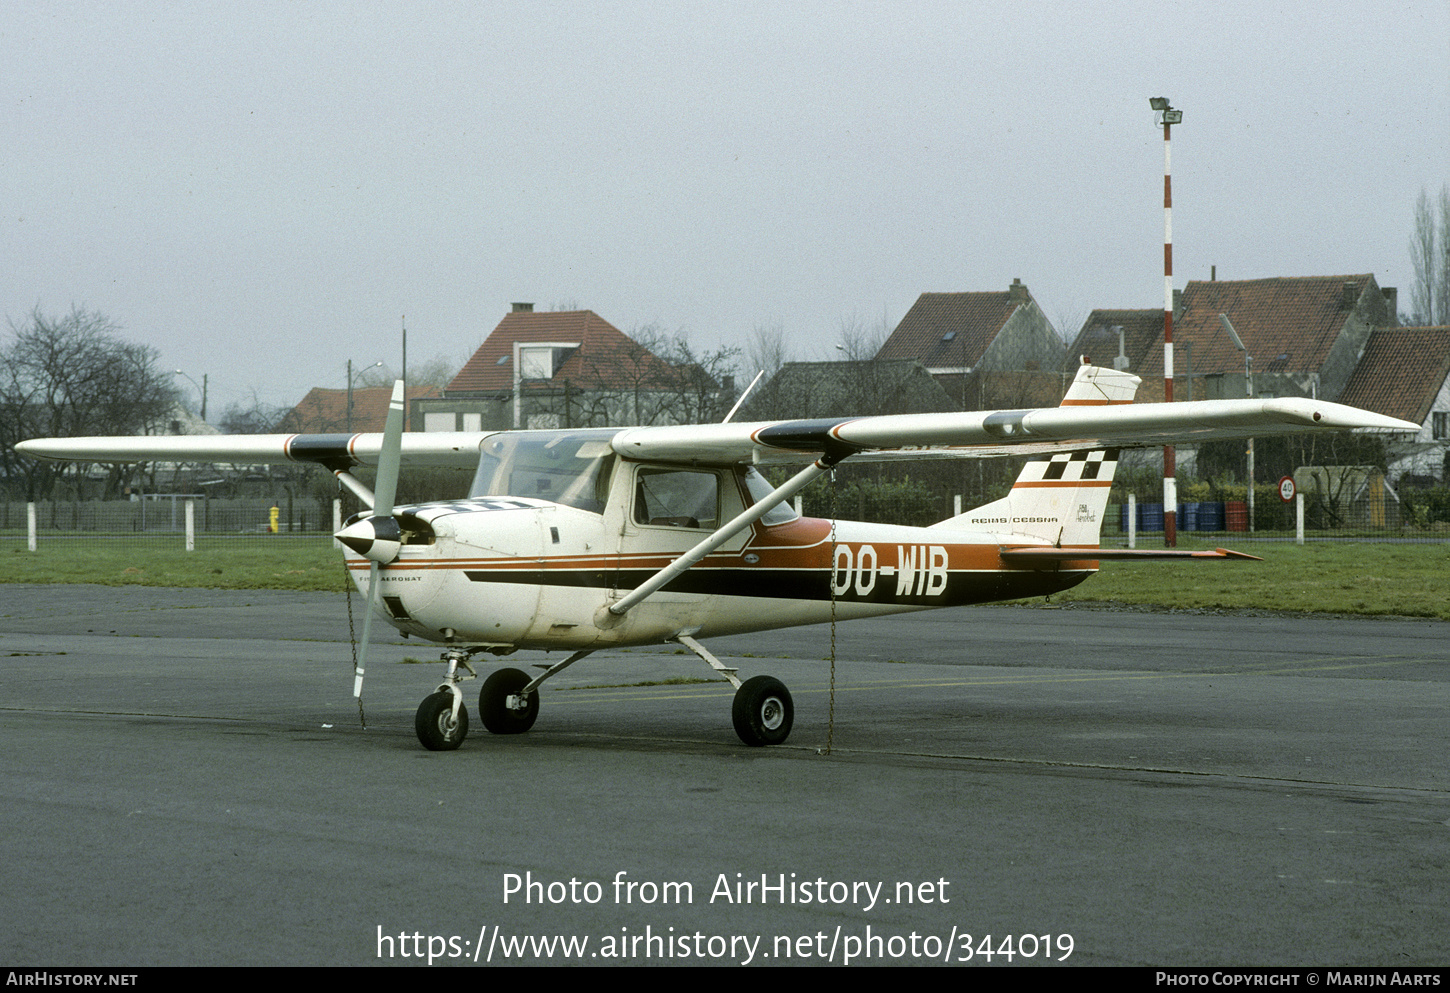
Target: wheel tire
<point>763,711</point>
<point>493,703</point>
<point>434,723</point>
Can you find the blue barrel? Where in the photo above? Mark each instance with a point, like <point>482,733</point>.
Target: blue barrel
<point>1210,516</point>
<point>1150,517</point>
<point>1188,517</point>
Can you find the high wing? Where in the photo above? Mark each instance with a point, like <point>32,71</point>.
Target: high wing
<point>1106,421</point>
<point>979,434</point>
<point>335,451</point>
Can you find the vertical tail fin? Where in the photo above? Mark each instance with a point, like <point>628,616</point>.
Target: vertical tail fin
<point>1095,386</point>
<point>1061,498</point>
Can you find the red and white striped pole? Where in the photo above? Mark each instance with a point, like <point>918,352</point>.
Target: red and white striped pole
<point>1170,482</point>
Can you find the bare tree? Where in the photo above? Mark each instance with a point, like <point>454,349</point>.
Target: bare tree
<point>1430,259</point>
<point>252,416</point>
<point>72,376</point>
<point>767,354</point>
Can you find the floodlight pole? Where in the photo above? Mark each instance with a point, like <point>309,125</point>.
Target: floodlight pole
<point>1248,392</point>
<point>1170,482</point>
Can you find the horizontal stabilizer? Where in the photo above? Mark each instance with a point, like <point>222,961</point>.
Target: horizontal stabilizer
<point>1027,556</point>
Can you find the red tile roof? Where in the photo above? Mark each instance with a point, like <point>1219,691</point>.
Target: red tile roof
<point>1288,324</point>
<point>1098,339</point>
<point>1401,372</point>
<point>324,411</point>
<point>605,359</point>
<point>972,319</point>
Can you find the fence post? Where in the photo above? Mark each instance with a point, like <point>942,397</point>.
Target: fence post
<point>30,525</point>
<point>956,505</point>
<point>1132,521</point>
<point>191,525</point>
<point>336,521</point>
<point>1299,518</point>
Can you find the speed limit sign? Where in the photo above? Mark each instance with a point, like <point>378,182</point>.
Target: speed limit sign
<point>1286,489</point>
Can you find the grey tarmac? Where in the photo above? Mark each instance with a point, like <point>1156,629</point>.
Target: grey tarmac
<point>184,780</point>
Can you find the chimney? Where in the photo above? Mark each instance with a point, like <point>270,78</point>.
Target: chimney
<point>1017,293</point>
<point>1349,296</point>
<point>1392,304</point>
<point>523,308</point>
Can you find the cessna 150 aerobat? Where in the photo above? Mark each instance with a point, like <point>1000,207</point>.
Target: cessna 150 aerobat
<point>581,540</point>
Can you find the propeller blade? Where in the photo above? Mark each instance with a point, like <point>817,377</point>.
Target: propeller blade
<point>362,654</point>
<point>386,489</point>
<point>384,493</point>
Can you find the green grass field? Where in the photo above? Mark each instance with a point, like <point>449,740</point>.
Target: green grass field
<point>253,563</point>
<point>1337,577</point>
<point>1408,580</point>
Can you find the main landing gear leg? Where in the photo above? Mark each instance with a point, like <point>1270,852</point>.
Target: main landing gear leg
<point>442,720</point>
<point>509,700</point>
<point>763,711</point>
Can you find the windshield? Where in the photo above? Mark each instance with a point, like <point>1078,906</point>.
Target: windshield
<point>568,467</point>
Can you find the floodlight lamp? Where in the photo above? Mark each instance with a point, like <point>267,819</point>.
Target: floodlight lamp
<point>1158,103</point>
<point>1173,117</point>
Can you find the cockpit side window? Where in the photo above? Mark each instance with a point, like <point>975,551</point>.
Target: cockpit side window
<point>679,498</point>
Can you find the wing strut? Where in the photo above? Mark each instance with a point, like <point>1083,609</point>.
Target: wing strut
<point>777,496</point>
<point>358,488</point>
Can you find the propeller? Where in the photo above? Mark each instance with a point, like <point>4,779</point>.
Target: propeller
<point>378,537</point>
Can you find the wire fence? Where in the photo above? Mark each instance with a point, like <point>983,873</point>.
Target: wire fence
<point>168,515</point>
<point>183,521</point>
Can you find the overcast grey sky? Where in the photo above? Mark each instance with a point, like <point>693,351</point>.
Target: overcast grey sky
<point>263,190</point>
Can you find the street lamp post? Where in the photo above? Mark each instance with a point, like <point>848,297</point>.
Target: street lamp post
<point>200,388</point>
<point>350,380</point>
<point>1169,117</point>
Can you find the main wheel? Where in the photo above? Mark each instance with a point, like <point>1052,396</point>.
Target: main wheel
<point>435,725</point>
<point>763,711</point>
<point>493,703</point>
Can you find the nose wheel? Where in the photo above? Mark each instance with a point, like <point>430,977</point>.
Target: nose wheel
<point>439,729</point>
<point>442,720</point>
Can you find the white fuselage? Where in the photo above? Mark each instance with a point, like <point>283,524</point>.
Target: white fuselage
<point>517,572</point>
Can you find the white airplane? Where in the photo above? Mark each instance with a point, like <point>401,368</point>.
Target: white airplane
<point>580,540</point>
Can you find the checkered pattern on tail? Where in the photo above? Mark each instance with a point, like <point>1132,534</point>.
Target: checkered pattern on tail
<point>1059,498</point>
<point>1069,467</point>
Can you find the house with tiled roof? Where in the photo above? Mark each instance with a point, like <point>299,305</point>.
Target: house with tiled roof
<point>324,411</point>
<point>562,369</point>
<point>1304,336</point>
<point>956,336</point>
<point>1405,373</point>
<point>846,389</point>
<point>1116,339</point>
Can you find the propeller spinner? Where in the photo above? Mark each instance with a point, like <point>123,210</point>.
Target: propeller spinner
<point>376,538</point>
